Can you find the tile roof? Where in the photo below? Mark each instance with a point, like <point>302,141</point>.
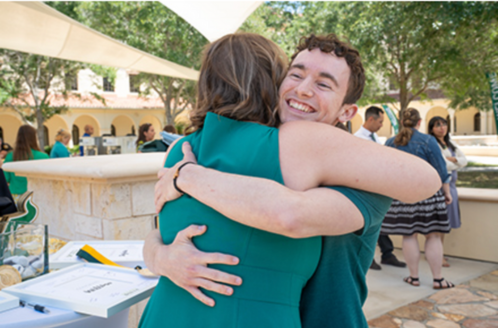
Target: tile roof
<point>129,101</point>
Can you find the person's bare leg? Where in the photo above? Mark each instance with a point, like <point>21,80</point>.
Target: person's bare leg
<point>434,255</point>
<point>445,260</point>
<point>411,253</point>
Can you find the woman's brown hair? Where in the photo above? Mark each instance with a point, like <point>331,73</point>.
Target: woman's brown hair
<point>25,142</point>
<point>239,79</point>
<point>141,130</point>
<point>410,119</point>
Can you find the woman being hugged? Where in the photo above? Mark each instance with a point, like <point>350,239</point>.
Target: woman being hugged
<point>428,217</point>
<point>455,159</point>
<point>26,148</point>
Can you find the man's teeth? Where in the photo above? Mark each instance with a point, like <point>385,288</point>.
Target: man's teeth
<point>300,107</point>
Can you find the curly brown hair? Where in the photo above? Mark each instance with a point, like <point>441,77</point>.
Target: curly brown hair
<point>239,78</point>
<point>332,44</point>
<point>409,120</point>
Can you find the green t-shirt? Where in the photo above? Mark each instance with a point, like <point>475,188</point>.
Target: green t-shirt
<point>19,185</point>
<point>335,294</point>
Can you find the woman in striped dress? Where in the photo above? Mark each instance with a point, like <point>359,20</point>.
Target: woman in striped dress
<point>428,217</point>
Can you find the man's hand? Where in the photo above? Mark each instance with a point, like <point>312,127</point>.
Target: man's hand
<point>164,190</point>
<point>187,267</point>
<point>452,159</point>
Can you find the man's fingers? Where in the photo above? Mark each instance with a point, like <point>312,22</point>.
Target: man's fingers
<point>215,287</point>
<point>221,277</point>
<point>200,296</point>
<point>188,155</point>
<point>220,258</point>
<point>191,231</point>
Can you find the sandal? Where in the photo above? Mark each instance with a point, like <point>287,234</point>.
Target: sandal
<point>440,282</point>
<point>412,281</point>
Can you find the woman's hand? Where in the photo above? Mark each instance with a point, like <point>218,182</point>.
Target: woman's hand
<point>447,194</point>
<point>452,159</point>
<point>164,190</point>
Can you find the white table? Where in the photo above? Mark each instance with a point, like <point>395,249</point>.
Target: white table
<point>28,318</point>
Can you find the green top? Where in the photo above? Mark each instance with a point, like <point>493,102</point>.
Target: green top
<point>335,294</point>
<point>19,185</point>
<point>274,268</point>
<point>59,150</point>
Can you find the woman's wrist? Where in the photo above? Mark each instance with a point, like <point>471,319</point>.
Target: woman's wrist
<point>176,177</point>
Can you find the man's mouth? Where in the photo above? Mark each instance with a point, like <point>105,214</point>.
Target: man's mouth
<point>300,107</point>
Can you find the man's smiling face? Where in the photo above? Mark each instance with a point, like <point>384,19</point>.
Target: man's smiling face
<point>314,89</point>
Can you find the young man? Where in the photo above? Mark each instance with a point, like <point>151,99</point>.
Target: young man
<point>374,118</point>
<point>321,87</point>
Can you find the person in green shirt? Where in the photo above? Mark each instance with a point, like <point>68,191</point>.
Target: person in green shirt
<point>26,148</point>
<point>59,150</point>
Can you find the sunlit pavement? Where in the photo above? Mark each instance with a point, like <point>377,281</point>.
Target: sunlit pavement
<point>392,303</point>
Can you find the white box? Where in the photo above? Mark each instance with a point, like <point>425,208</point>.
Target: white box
<point>93,289</point>
<point>124,252</point>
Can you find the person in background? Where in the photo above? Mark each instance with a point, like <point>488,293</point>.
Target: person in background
<point>146,133</point>
<point>59,149</point>
<point>428,217</point>
<point>5,148</point>
<point>455,159</point>
<point>88,133</point>
<point>374,118</point>
<point>170,128</point>
<point>26,148</point>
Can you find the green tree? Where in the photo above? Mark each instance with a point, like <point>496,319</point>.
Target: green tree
<point>412,46</point>
<point>418,46</point>
<point>29,84</point>
<point>153,28</point>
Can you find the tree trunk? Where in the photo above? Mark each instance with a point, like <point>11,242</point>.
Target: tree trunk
<point>39,130</point>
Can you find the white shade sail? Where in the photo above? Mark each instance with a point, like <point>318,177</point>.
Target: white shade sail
<point>214,19</point>
<point>34,27</point>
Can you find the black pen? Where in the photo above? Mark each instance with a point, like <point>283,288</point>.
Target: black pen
<point>36,307</point>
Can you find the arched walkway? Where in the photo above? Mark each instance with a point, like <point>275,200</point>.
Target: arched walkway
<point>10,125</point>
<point>54,124</point>
<point>83,120</point>
<point>465,122</point>
<point>155,123</point>
<point>123,125</point>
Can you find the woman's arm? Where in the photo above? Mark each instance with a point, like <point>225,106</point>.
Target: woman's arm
<point>460,157</point>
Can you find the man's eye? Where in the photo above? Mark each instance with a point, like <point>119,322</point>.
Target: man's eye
<point>295,75</point>
<point>323,85</point>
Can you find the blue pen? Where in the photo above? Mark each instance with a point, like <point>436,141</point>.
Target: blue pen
<point>36,307</point>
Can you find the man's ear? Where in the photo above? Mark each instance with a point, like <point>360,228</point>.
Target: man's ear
<point>348,111</point>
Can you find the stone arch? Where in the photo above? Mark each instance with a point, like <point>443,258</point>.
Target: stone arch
<point>54,124</point>
<point>156,123</point>
<point>10,124</point>
<point>123,125</point>
<point>435,111</point>
<point>465,121</point>
<point>85,119</point>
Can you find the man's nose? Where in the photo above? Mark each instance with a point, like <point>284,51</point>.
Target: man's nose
<point>305,88</point>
